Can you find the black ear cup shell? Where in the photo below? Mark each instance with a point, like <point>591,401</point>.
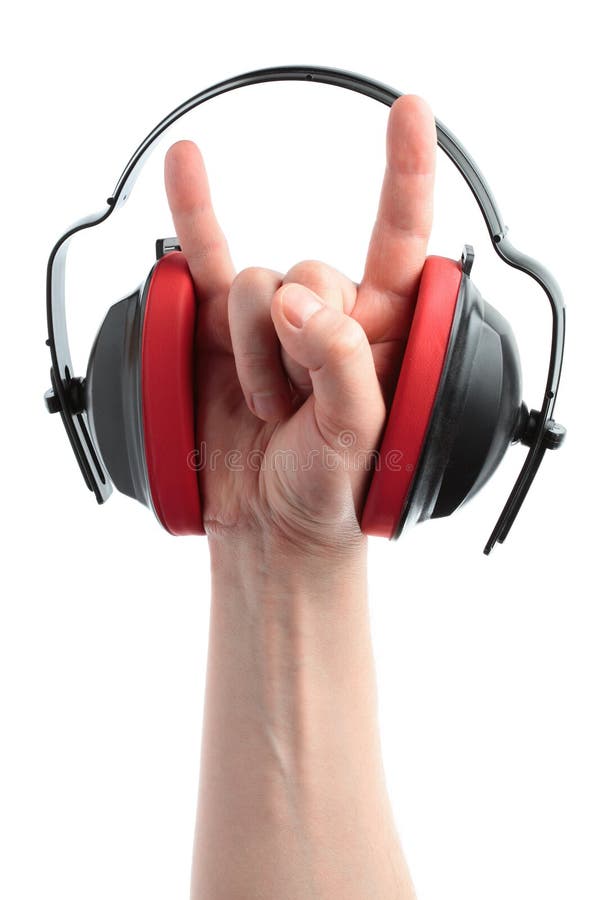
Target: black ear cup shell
<point>113,397</point>
<point>476,414</point>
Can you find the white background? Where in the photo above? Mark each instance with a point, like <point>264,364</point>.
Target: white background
<point>489,668</point>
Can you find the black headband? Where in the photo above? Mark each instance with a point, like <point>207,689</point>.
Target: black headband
<point>65,394</point>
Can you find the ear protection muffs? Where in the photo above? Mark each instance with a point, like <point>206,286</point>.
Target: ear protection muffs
<point>456,408</point>
<point>140,395</point>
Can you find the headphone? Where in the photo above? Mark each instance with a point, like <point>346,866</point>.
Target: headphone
<point>456,408</point>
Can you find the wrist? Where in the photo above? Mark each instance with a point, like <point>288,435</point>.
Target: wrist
<point>265,561</point>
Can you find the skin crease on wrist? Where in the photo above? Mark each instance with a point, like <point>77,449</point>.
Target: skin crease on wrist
<point>297,370</point>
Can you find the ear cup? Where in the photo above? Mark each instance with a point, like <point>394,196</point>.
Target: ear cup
<point>140,395</point>
<point>113,398</point>
<point>456,408</point>
<point>414,398</point>
<point>167,392</point>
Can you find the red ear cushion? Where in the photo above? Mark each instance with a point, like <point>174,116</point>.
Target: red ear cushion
<point>167,383</point>
<point>414,397</point>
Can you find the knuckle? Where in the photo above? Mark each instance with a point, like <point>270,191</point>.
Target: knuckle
<point>310,272</point>
<point>332,286</point>
<point>346,340</point>
<point>205,249</point>
<point>252,361</point>
<point>254,279</point>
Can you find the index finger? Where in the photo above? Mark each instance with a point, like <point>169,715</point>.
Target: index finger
<point>198,230</point>
<point>401,232</point>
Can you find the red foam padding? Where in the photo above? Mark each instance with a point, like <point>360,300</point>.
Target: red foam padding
<point>168,395</point>
<point>414,397</point>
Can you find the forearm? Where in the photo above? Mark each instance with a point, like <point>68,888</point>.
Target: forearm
<point>293,803</point>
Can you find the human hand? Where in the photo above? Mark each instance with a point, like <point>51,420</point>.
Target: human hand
<point>294,371</point>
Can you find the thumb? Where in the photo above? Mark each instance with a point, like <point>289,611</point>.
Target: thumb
<point>348,403</point>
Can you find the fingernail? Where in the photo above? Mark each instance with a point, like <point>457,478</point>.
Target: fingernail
<point>266,404</point>
<point>299,304</point>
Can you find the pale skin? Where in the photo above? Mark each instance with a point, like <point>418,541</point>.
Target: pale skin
<point>292,802</point>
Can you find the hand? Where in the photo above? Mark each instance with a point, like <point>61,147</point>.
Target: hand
<point>294,371</point>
